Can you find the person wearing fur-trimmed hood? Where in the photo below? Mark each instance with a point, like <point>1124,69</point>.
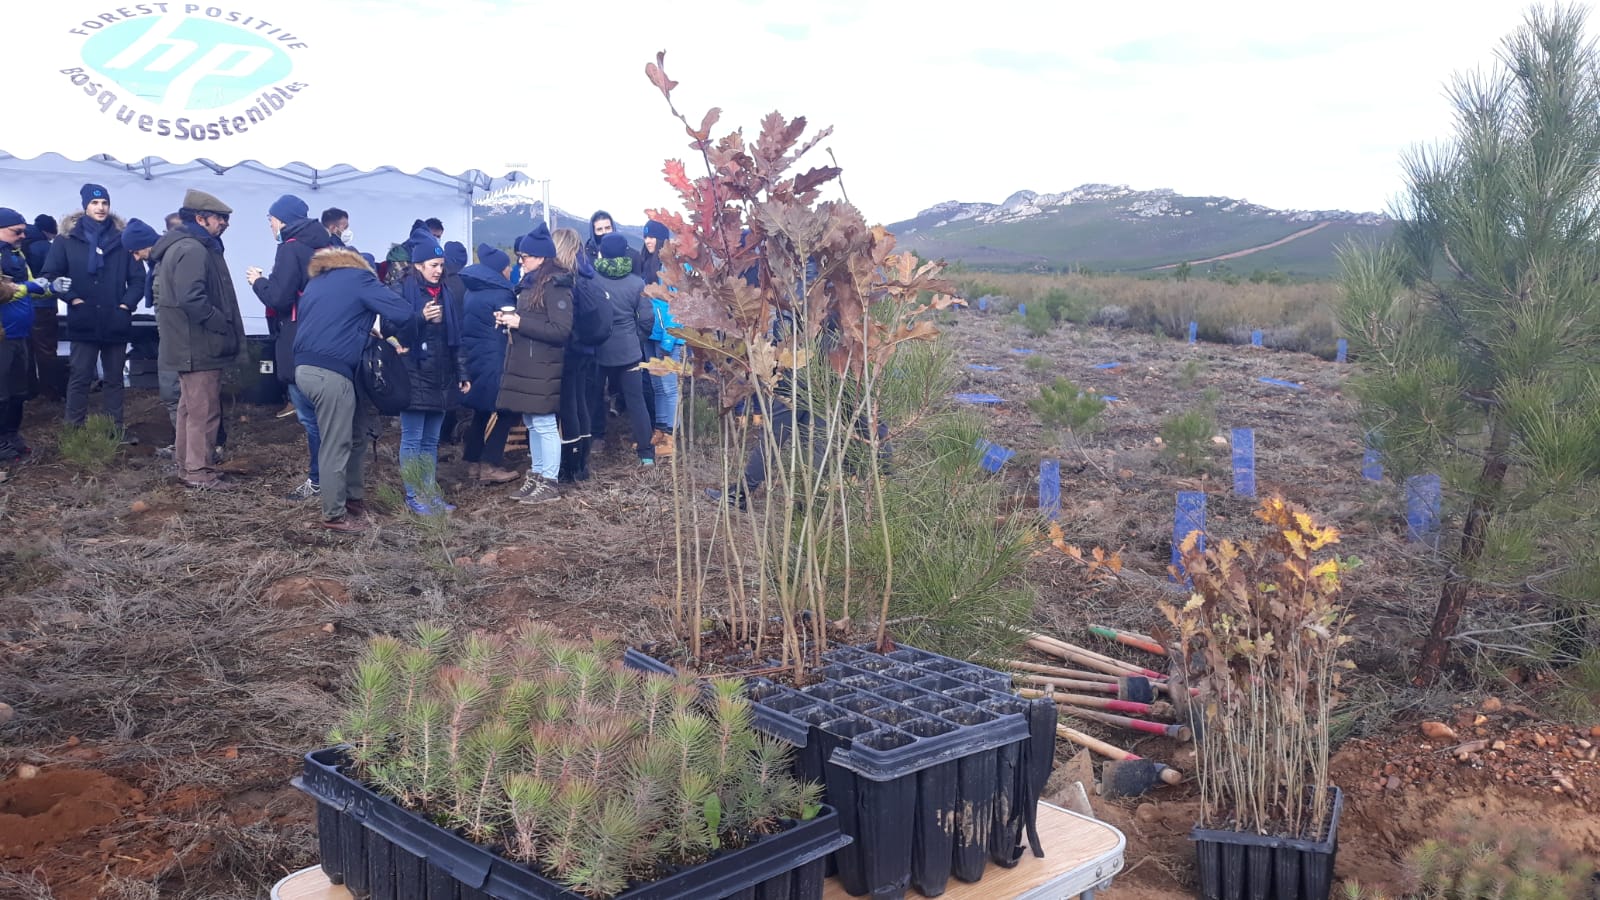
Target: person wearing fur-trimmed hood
<point>106,284</point>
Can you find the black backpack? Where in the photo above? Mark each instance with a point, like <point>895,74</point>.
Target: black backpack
<point>591,312</point>
<point>382,376</point>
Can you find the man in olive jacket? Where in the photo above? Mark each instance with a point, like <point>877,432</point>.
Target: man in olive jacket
<point>202,333</point>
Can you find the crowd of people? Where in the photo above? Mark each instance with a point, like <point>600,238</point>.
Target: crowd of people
<point>549,336</point>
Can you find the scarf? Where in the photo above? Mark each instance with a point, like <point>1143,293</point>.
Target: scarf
<point>102,238</point>
<point>419,293</point>
<point>614,268</point>
<point>212,242</point>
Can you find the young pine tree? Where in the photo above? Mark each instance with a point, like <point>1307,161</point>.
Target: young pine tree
<point>1478,328</point>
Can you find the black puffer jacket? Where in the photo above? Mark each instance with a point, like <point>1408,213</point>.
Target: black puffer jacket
<point>280,291</point>
<point>105,313</point>
<point>433,355</point>
<point>531,383</point>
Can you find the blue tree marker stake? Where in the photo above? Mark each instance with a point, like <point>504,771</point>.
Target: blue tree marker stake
<point>994,455</point>
<point>1343,354</point>
<point>1050,488</point>
<point>1371,462</point>
<point>1190,517</point>
<point>983,303</point>
<point>1022,309</point>
<point>1244,462</point>
<point>1194,331</point>
<point>1422,509</point>
<point>1255,338</point>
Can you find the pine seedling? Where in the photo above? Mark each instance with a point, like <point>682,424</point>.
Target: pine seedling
<point>599,748</point>
<point>588,675</point>
<point>759,795</point>
<point>734,738</point>
<point>369,721</point>
<point>610,847</point>
<point>432,637</point>
<point>464,695</point>
<point>655,702</point>
<point>530,804</point>
<point>542,751</point>
<point>538,638</point>
<point>685,693</point>
<point>617,689</point>
<point>489,752</point>
<point>605,646</point>
<point>426,730</point>
<point>481,655</point>
<point>689,739</point>
<point>518,703</point>
<point>685,832</point>
<point>577,802</point>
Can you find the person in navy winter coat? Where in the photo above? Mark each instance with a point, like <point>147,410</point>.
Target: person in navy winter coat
<point>336,311</point>
<point>107,283</point>
<point>431,350</point>
<point>488,289</point>
<point>299,238</point>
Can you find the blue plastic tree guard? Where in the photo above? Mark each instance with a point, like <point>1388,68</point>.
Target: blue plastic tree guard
<point>1371,463</point>
<point>1022,351</point>
<point>1110,398</point>
<point>1050,488</point>
<point>1255,338</point>
<point>983,303</point>
<point>1189,517</point>
<point>994,455</point>
<point>981,399</point>
<point>1281,383</point>
<point>1022,309</point>
<point>1244,462</point>
<point>1343,353</point>
<point>982,367</point>
<point>1108,365</point>
<point>1194,332</point>
<point>1422,509</point>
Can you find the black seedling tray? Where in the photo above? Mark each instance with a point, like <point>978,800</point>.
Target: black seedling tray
<point>1235,865</point>
<point>912,737</point>
<point>379,850</point>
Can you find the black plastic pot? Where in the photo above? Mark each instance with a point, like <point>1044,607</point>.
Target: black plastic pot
<point>934,765</point>
<point>379,850</point>
<point>1236,865</point>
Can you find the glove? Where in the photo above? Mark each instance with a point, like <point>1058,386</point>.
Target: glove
<point>61,285</point>
<point>38,287</point>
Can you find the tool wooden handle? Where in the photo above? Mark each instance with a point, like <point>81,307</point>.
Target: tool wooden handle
<point>1081,700</point>
<point>1176,732</point>
<point>1130,639</point>
<point>1059,672</point>
<point>1093,743</point>
<point>1093,687</point>
<point>1079,658</point>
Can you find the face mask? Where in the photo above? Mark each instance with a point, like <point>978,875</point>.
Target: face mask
<point>348,237</point>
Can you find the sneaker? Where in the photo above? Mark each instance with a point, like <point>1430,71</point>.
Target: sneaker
<point>343,525</point>
<point>355,509</point>
<point>536,490</point>
<point>287,411</point>
<point>165,452</point>
<point>440,506</point>
<point>308,490</point>
<point>732,496</point>
<point>215,484</point>
<point>421,507</point>
<point>647,461</point>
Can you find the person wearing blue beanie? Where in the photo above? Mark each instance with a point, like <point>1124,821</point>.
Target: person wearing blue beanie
<point>537,243</point>
<point>493,257</point>
<point>92,192</point>
<point>138,238</point>
<point>299,238</point>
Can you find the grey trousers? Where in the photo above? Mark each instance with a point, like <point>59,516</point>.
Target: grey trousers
<point>342,418</point>
<point>111,358</point>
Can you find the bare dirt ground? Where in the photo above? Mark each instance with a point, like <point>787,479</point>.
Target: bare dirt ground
<point>171,655</point>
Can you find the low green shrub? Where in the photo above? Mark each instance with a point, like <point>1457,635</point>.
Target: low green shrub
<point>91,446</point>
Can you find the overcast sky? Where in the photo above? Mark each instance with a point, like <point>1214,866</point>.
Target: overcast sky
<point>1284,104</point>
<point>1287,105</point>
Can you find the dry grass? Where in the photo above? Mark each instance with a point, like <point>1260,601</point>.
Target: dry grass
<point>1290,316</point>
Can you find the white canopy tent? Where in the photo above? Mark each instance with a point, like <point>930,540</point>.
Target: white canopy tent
<point>245,102</point>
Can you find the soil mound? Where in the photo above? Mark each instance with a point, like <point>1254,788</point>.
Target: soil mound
<point>57,805</point>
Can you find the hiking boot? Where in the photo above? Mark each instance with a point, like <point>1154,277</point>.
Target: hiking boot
<point>355,509</point>
<point>343,525</point>
<point>308,490</point>
<point>661,439</point>
<point>495,475</point>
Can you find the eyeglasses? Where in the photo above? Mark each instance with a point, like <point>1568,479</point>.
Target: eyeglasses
<point>521,257</point>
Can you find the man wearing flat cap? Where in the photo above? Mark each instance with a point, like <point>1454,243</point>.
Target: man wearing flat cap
<point>202,332</point>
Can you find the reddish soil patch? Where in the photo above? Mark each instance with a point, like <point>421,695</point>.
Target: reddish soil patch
<point>58,805</point>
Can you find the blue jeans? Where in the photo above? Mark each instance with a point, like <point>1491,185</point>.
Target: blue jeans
<point>666,393</point>
<point>306,412</point>
<point>419,440</point>
<point>544,446</point>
